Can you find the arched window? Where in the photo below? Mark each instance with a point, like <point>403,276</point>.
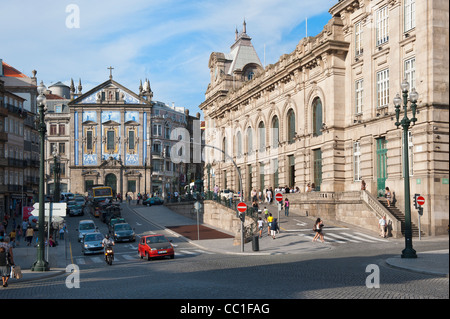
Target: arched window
<point>249,140</point>
<point>275,131</point>
<point>262,136</point>
<point>239,144</point>
<point>317,116</point>
<point>291,125</point>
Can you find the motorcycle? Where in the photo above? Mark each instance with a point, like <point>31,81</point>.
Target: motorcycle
<point>109,255</point>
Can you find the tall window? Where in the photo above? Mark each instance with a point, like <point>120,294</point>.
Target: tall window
<point>62,129</point>
<point>383,88</point>
<point>262,136</point>
<point>110,140</point>
<point>291,125</point>
<point>157,130</point>
<point>249,140</point>
<point>410,72</point>
<point>239,144</point>
<point>382,25</point>
<point>89,143</point>
<point>317,116</point>
<point>358,39</point>
<point>275,131</point>
<point>410,14</point>
<point>358,96</point>
<point>356,161</point>
<point>131,140</point>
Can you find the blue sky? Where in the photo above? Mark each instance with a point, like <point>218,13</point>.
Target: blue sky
<point>167,41</point>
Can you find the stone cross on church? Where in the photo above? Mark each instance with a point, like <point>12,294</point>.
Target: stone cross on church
<point>110,72</point>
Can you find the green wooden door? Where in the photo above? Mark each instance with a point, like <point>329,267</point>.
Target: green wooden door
<point>317,168</point>
<point>381,166</point>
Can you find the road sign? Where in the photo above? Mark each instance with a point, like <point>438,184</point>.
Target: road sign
<point>420,200</point>
<point>279,197</point>
<point>242,207</point>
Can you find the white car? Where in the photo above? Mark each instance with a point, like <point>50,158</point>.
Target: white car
<point>226,193</point>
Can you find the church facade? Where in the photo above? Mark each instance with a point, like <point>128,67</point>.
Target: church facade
<point>324,113</point>
<point>116,140</point>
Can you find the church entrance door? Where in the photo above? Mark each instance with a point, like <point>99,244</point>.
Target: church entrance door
<point>111,181</point>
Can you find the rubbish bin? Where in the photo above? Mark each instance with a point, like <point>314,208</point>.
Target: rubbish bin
<point>255,243</point>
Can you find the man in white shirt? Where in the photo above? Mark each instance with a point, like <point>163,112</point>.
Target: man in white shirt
<point>382,222</point>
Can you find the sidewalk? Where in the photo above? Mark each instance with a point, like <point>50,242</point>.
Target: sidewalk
<point>25,256</point>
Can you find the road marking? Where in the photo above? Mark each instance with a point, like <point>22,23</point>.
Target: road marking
<point>335,238</point>
<point>80,261</point>
<point>344,238</point>
<point>359,238</point>
<point>373,238</point>
<point>128,257</point>
<point>96,259</point>
<point>187,252</point>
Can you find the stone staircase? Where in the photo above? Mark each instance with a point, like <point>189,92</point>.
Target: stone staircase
<point>399,215</point>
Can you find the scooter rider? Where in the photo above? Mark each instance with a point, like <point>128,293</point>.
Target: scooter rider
<point>107,242</point>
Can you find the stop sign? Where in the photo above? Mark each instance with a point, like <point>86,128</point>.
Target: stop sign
<point>420,200</point>
<point>242,207</point>
<point>279,197</point>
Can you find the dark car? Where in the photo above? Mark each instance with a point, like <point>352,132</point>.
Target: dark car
<point>123,232</point>
<point>114,221</point>
<point>153,201</point>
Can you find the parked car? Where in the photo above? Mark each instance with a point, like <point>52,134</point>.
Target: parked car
<point>123,232</point>
<point>85,226</point>
<point>153,201</point>
<point>92,243</point>
<point>153,246</point>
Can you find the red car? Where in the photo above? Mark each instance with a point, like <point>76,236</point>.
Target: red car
<point>153,246</point>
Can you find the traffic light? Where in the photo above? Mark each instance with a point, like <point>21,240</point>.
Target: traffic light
<point>420,210</point>
<point>416,206</point>
<point>242,217</point>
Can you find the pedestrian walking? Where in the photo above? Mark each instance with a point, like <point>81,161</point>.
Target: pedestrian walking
<point>286,207</point>
<point>6,259</point>
<point>260,226</point>
<point>274,228</point>
<point>266,213</point>
<point>24,228</point>
<point>5,268</point>
<point>269,221</point>
<point>29,235</point>
<point>318,225</point>
<point>19,234</point>
<point>383,226</point>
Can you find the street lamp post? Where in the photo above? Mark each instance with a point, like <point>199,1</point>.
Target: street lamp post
<point>408,252</point>
<point>41,264</point>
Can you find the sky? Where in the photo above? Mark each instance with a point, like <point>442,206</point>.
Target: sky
<point>168,42</point>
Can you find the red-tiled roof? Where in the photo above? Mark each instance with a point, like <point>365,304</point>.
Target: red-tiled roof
<point>52,96</point>
<point>12,72</point>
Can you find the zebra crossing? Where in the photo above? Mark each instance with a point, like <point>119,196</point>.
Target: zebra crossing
<point>127,257</point>
<point>346,237</point>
